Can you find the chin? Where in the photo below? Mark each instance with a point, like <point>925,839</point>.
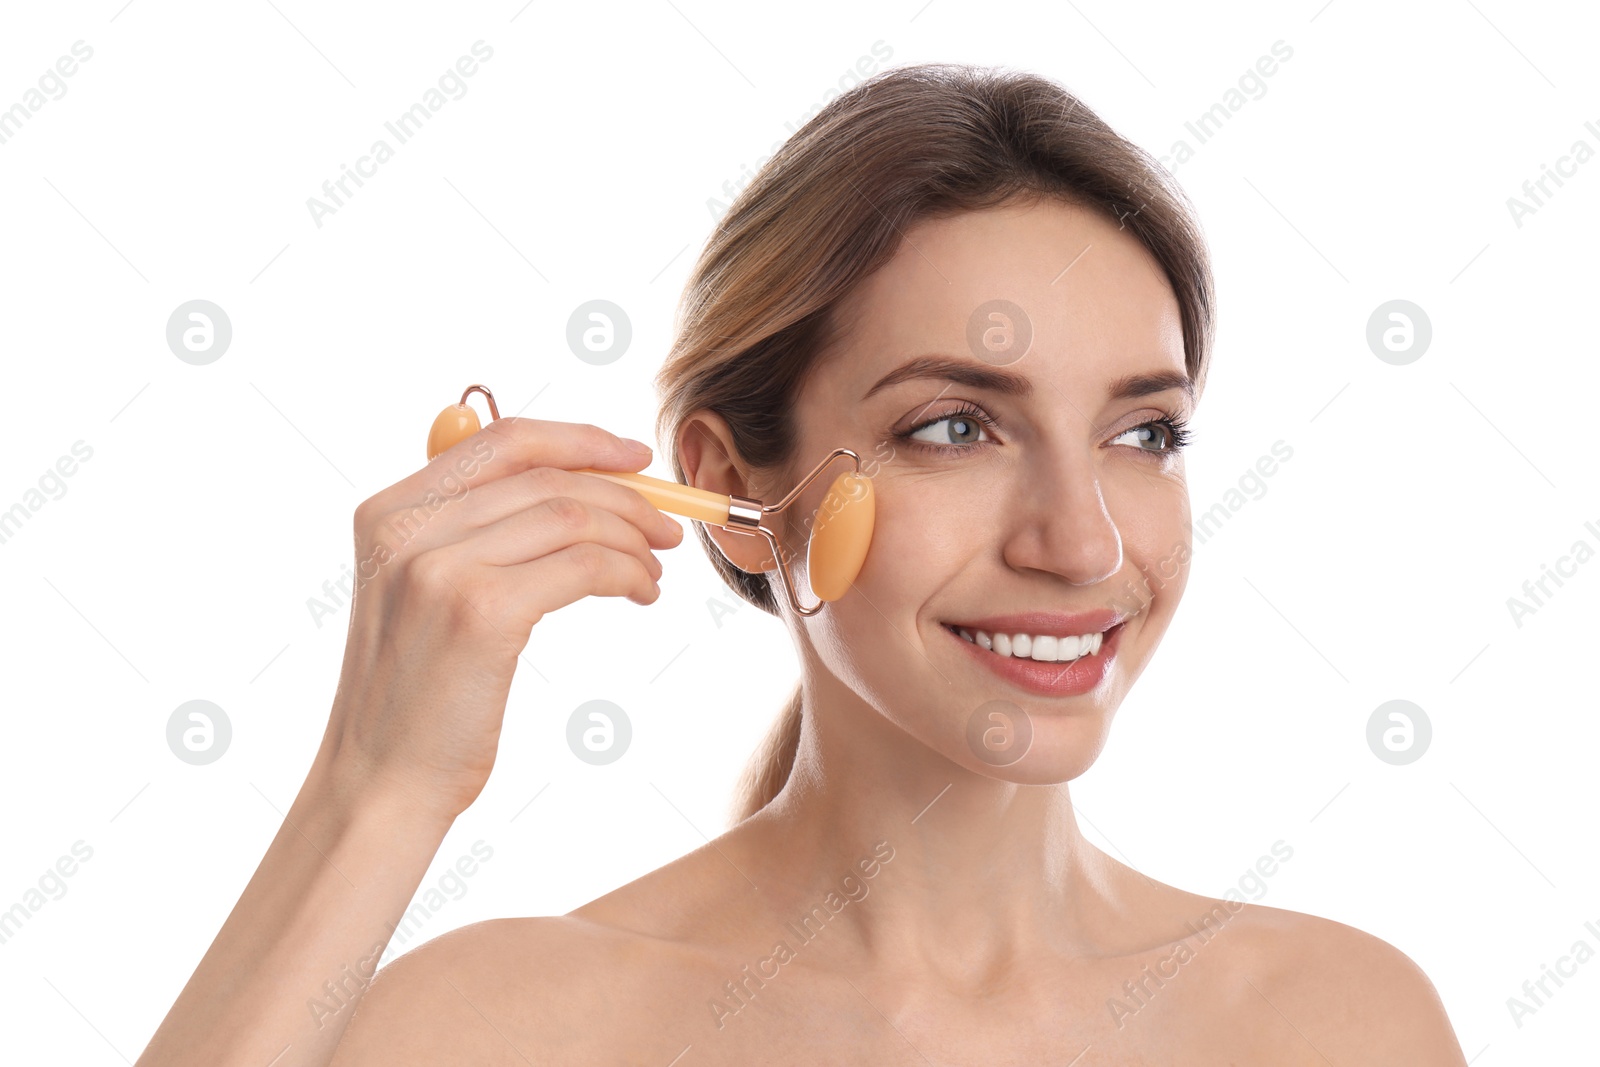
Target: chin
<point>1007,744</point>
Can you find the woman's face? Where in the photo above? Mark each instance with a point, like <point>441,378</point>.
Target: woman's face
<point>1066,499</point>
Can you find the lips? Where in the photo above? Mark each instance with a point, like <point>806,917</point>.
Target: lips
<point>994,642</point>
<point>1053,623</point>
<point>1046,678</point>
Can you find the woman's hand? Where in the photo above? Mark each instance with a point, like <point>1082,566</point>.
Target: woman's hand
<point>455,566</point>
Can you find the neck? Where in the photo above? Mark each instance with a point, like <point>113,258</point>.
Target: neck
<point>934,869</point>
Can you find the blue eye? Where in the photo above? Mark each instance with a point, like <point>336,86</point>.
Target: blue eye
<point>1177,434</point>
<point>966,424</point>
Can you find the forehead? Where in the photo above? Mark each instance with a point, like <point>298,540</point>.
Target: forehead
<point>1096,300</point>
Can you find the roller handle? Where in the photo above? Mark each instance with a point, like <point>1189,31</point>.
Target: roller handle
<point>679,499</point>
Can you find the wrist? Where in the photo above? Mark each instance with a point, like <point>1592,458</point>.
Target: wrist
<point>354,797</point>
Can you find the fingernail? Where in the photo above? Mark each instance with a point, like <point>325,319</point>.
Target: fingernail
<point>637,446</point>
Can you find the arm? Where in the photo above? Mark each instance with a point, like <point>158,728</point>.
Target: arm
<point>282,977</point>
<point>451,589</point>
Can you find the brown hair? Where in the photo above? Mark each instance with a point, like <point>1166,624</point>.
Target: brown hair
<point>830,207</point>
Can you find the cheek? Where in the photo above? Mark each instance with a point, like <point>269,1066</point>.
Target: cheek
<point>1153,518</point>
<point>920,540</point>
<point>1167,575</point>
<point>871,633</point>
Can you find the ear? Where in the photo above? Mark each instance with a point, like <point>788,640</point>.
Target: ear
<point>705,446</point>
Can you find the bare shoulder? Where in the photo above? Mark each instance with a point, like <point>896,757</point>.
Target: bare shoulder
<point>1356,998</point>
<point>504,990</point>
<point>599,983</point>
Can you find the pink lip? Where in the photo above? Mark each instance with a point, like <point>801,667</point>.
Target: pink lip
<point>1047,679</point>
<point>1045,622</point>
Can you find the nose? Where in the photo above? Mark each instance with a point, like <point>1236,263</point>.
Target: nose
<point>1060,524</point>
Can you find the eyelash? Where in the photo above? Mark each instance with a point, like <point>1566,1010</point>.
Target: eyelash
<point>1177,430</point>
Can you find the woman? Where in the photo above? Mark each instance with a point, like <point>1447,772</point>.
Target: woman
<point>1006,310</point>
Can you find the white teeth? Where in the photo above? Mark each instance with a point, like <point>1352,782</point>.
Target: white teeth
<point>1042,648</point>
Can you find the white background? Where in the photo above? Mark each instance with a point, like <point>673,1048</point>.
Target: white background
<point>1377,565</point>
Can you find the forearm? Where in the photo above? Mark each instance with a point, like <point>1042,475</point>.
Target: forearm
<point>281,979</point>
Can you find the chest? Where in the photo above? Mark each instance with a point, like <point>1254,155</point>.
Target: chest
<point>1162,1009</point>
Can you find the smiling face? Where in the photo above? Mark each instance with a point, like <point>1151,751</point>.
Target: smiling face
<point>1053,494</point>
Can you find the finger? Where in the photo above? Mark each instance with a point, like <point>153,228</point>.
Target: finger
<point>506,446</point>
<point>556,524</point>
<point>523,490</point>
<point>423,527</point>
<point>577,571</point>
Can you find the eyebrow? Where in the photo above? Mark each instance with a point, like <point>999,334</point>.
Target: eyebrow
<point>1009,383</point>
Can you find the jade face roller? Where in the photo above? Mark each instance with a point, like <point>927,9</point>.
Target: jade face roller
<point>839,538</point>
